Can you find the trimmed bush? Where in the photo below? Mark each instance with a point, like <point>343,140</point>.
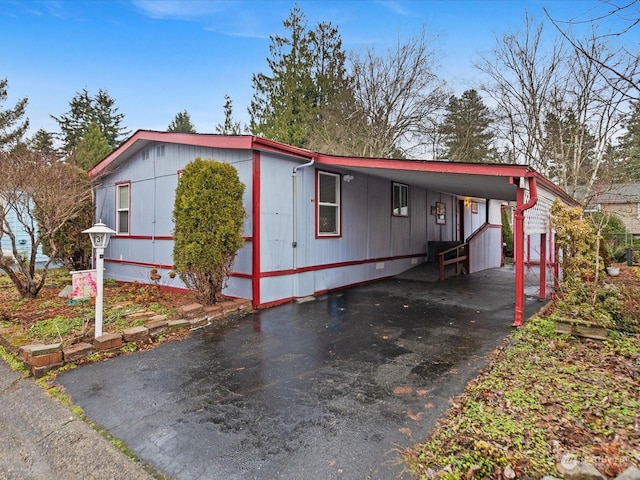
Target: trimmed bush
<point>208,215</point>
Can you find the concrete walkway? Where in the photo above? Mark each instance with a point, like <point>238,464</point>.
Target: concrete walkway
<point>41,439</point>
<point>329,389</point>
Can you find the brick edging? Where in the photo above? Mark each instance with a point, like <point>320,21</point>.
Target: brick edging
<point>41,358</point>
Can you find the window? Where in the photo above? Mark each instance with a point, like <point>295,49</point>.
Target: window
<point>145,154</point>
<point>400,201</point>
<point>160,151</point>
<point>328,201</point>
<point>122,209</point>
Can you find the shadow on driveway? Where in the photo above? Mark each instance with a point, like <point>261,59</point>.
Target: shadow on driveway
<point>328,389</point>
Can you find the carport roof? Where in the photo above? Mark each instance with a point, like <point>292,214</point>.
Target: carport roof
<point>494,181</point>
<point>480,180</point>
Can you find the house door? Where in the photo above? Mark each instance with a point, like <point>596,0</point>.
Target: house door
<point>461,233</point>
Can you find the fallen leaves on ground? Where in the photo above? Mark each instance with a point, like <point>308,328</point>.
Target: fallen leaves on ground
<point>542,395</point>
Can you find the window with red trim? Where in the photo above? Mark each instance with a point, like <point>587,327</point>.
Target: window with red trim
<point>122,208</point>
<point>328,202</point>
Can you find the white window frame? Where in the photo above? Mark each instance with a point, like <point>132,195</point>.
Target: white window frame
<point>324,203</point>
<point>400,200</point>
<point>122,209</point>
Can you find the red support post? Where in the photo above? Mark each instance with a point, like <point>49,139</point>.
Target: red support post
<point>543,267</point>
<point>519,245</point>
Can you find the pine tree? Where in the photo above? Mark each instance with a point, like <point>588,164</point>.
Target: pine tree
<point>43,141</point>
<point>629,145</point>
<point>12,125</point>
<point>181,123</point>
<point>568,148</point>
<point>230,126</point>
<point>85,110</point>
<point>92,148</point>
<point>466,129</point>
<point>306,73</point>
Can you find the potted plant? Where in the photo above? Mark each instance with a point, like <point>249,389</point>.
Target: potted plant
<point>607,258</point>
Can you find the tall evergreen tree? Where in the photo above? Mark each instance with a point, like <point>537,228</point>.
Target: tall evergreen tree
<point>12,124</point>
<point>230,126</point>
<point>466,129</point>
<point>568,148</point>
<point>92,148</point>
<point>181,123</point>
<point>43,142</point>
<point>85,110</point>
<point>629,145</point>
<point>306,72</point>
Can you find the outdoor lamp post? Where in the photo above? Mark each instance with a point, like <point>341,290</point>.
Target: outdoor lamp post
<point>100,235</point>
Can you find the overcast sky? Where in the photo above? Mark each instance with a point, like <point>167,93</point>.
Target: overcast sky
<point>157,58</point>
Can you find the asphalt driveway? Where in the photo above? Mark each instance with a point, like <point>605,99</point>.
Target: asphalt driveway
<point>328,389</point>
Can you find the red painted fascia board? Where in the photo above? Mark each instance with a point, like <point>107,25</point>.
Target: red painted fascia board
<point>264,144</point>
<point>244,142</point>
<point>496,169</point>
<point>555,189</point>
<point>492,169</point>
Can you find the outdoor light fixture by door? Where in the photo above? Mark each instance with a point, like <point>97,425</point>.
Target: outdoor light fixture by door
<point>100,235</point>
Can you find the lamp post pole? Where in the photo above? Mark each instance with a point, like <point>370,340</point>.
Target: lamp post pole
<point>100,235</point>
<point>100,290</point>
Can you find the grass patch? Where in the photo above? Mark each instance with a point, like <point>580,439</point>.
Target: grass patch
<point>13,361</point>
<point>543,395</point>
<point>55,329</point>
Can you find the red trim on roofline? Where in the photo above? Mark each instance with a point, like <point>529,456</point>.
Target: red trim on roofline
<point>438,166</point>
<point>250,142</point>
<point>242,142</point>
<point>498,169</point>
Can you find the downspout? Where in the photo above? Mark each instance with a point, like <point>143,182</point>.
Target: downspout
<point>294,242</point>
<point>519,245</point>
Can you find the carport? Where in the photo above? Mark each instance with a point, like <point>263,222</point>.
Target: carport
<point>529,193</point>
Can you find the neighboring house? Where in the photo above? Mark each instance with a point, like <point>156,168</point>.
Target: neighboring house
<point>621,200</point>
<point>23,241</point>
<point>317,222</point>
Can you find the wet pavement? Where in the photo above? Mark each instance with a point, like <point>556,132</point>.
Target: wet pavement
<point>329,389</point>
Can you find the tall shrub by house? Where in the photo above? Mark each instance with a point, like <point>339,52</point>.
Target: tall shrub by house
<point>208,215</point>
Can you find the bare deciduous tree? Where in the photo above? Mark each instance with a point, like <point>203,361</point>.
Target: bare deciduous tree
<point>627,16</point>
<point>600,98</point>
<point>36,186</point>
<point>522,76</point>
<point>396,95</point>
<point>562,109</point>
